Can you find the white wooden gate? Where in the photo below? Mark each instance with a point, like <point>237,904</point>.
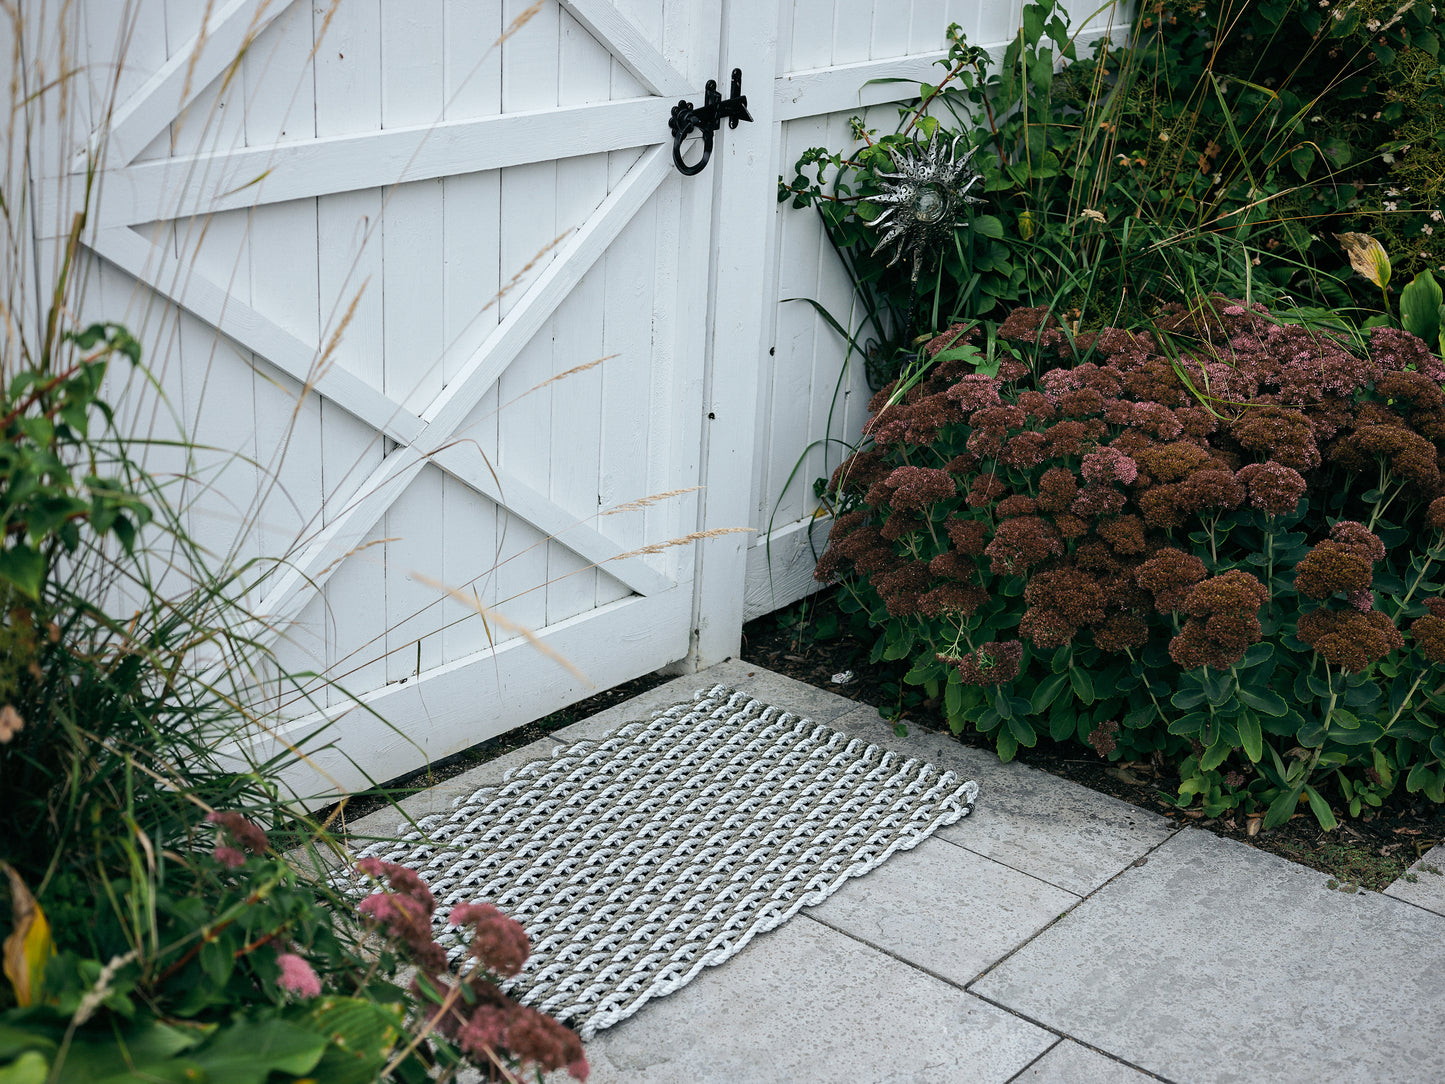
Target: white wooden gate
<point>366,245</point>
<point>367,256</point>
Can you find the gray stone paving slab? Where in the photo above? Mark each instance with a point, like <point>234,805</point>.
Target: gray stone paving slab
<point>1047,827</point>
<point>805,1003</point>
<point>944,909</point>
<point>1427,889</point>
<point>1070,1063</point>
<point>1219,964</point>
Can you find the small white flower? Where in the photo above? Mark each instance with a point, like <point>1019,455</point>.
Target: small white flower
<point>1388,158</point>
<point>1427,229</point>
<point>1372,25</point>
<point>1436,216</point>
<point>1390,205</point>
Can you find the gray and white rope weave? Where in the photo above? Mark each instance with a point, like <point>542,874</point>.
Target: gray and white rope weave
<point>636,861</point>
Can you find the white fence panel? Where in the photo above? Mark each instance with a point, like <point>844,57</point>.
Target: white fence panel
<point>812,403</point>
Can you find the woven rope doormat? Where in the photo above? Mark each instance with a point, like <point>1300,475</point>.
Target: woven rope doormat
<point>636,861</point>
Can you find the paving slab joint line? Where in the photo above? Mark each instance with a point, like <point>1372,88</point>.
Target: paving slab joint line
<point>885,951</point>
<point>1020,1074</point>
<point>1078,903</point>
<point>1077,1042</point>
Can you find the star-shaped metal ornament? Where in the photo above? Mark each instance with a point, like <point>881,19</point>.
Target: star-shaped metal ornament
<point>925,197</point>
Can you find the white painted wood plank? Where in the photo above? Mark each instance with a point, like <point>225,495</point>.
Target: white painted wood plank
<point>416,525</point>
<point>852,31</point>
<point>190,69</point>
<point>355,616</point>
<point>812,37</point>
<point>746,172</point>
<point>280,81</point>
<point>475,698</point>
<point>471,59</point>
<point>813,92</point>
<point>471,240</point>
<point>183,187</point>
<point>928,30</point>
<point>163,272</point>
<point>889,35</point>
<point>349,275</point>
<point>577,407</point>
<point>630,301</point>
<point>780,569</point>
<point>531,79</point>
<point>348,70</point>
<point>632,50</point>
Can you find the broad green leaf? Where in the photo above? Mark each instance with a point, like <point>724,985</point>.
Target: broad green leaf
<point>1047,691</point>
<point>1187,698</point>
<point>1008,745</point>
<point>1420,307</point>
<point>24,567</point>
<point>30,1067</point>
<point>1321,809</point>
<point>249,1051</point>
<point>1265,700</point>
<point>1302,158</point>
<point>1250,737</point>
<point>1001,703</point>
<point>1022,731</point>
<point>1083,684</point>
<point>988,226</point>
<point>1282,808</point>
<point>1214,756</point>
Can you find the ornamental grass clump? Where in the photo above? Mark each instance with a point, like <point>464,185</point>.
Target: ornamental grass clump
<point>1214,541</point>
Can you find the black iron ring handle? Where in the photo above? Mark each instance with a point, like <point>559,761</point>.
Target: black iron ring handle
<point>684,120</point>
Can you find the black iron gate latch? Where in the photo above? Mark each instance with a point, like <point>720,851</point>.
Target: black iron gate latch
<point>708,120</point>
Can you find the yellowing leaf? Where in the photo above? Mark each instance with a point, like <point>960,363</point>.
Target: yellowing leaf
<point>29,946</point>
<point>1367,256</point>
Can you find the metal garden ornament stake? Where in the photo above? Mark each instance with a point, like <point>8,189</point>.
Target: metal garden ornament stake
<point>926,198</point>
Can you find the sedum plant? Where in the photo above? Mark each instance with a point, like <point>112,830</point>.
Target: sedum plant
<point>1217,542</point>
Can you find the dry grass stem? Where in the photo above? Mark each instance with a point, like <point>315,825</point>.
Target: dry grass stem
<point>517,278</point>
<point>683,540</point>
<point>504,623</point>
<point>566,373</point>
<point>354,551</point>
<point>520,21</point>
<point>644,502</point>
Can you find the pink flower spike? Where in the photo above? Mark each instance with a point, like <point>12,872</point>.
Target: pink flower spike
<point>297,975</point>
<point>229,857</point>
